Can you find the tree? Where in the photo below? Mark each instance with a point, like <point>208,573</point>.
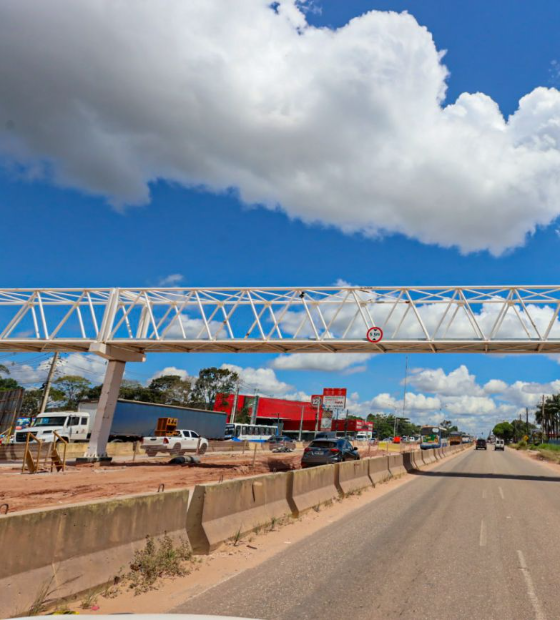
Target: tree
<point>548,416</point>
<point>504,430</point>
<point>172,390</point>
<point>8,384</point>
<point>210,383</point>
<point>74,388</point>
<point>4,369</point>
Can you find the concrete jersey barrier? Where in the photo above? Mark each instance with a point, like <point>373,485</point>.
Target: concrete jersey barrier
<point>428,456</point>
<point>379,469</point>
<point>312,487</point>
<point>221,511</point>
<point>76,547</point>
<point>353,476</point>
<point>408,461</point>
<point>396,465</point>
<point>417,458</point>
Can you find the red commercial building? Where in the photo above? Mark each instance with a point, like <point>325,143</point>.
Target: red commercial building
<point>352,426</point>
<point>289,414</point>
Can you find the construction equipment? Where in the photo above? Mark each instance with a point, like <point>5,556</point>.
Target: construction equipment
<point>166,427</point>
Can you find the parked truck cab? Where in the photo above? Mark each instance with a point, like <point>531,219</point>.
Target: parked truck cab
<point>73,426</point>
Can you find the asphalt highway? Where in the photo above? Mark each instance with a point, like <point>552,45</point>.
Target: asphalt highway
<point>476,537</point>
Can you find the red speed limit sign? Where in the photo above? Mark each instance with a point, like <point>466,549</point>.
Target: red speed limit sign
<point>374,334</point>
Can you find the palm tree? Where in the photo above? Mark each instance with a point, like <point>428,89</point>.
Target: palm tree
<point>4,369</point>
<point>548,415</point>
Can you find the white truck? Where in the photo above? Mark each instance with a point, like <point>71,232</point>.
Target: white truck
<point>73,426</point>
<point>181,442</point>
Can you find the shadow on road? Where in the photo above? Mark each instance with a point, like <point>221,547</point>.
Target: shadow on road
<point>456,474</point>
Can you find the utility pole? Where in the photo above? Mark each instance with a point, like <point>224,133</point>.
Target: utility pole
<point>48,383</point>
<point>405,382</point>
<point>234,408</point>
<point>527,420</point>
<point>544,422</point>
<point>301,423</point>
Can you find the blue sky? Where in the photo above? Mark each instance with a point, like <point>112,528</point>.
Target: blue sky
<point>63,231</point>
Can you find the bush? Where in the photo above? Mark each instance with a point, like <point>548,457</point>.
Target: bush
<point>522,445</point>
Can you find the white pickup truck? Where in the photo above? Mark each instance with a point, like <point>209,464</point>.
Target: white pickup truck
<point>179,443</point>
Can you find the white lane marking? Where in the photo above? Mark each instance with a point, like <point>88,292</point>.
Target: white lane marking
<point>501,492</point>
<point>483,536</point>
<point>484,494</point>
<point>539,613</point>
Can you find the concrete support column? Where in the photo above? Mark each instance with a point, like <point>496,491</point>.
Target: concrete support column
<point>97,447</point>
<point>117,358</point>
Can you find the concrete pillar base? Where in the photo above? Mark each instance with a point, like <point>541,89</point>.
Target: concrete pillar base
<point>93,459</point>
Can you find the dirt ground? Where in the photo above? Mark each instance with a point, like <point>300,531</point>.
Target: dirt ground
<point>92,482</point>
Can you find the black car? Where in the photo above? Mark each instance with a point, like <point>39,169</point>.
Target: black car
<point>328,451</point>
<point>481,444</point>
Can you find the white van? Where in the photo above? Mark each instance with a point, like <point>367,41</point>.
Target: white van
<point>499,444</point>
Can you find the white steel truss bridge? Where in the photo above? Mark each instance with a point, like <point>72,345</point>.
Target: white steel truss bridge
<point>430,319</point>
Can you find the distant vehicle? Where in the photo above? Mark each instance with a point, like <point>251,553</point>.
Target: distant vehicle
<point>465,438</point>
<point>499,444</point>
<point>396,440</point>
<point>481,444</point>
<point>282,443</point>
<point>431,437</point>
<point>328,451</point>
<point>455,438</point>
<point>363,436</point>
<point>181,442</point>
<point>72,426</point>
<point>249,432</point>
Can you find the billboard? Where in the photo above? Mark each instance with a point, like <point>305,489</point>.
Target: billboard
<point>334,398</point>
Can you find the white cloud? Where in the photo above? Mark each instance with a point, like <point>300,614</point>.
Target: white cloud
<point>458,381</point>
<point>495,386</point>
<point>172,370</point>
<point>171,280</point>
<point>345,127</point>
<point>92,367</point>
<point>262,379</point>
<point>327,362</point>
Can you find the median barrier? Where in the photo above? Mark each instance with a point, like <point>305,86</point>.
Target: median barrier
<point>408,461</point>
<point>312,487</point>
<point>224,510</point>
<point>67,550</point>
<point>440,452</point>
<point>417,459</point>
<point>379,469</point>
<point>353,476</point>
<point>428,456</point>
<point>396,465</point>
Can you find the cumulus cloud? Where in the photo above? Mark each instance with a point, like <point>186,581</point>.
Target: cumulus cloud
<point>173,370</point>
<point>458,381</point>
<point>262,379</point>
<point>327,362</point>
<point>344,127</point>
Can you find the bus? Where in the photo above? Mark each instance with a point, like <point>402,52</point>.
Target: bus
<point>432,437</point>
<point>249,432</point>
<point>455,438</point>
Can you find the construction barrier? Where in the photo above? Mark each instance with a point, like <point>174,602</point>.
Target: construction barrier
<point>312,487</point>
<point>408,461</point>
<point>428,456</point>
<point>417,458</point>
<point>353,476</point>
<point>396,465</point>
<point>225,510</point>
<point>70,549</point>
<point>379,469</point>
